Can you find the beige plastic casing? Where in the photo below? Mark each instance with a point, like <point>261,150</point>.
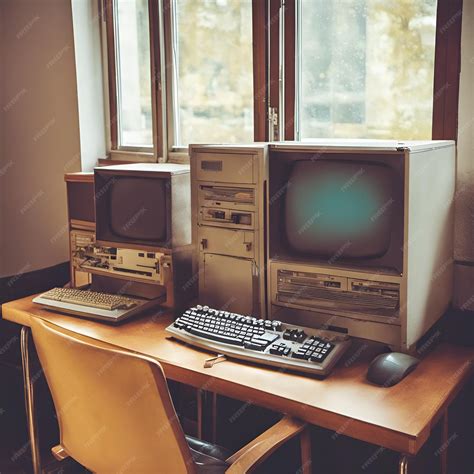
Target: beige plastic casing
<point>426,282</point>
<point>230,256</point>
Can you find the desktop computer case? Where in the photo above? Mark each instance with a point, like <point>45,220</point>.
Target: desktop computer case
<point>228,224</point>
<point>175,285</point>
<point>426,283</point>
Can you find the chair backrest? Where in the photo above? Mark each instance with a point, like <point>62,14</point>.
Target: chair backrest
<point>114,409</point>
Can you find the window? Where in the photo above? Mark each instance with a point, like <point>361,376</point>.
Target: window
<point>213,71</point>
<point>366,68</point>
<point>133,78</point>
<point>235,71</point>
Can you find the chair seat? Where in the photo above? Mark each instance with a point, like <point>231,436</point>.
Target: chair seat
<point>209,458</point>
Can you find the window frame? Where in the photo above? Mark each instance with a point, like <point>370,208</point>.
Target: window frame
<point>160,16</point>
<point>122,152</point>
<point>447,70</point>
<point>260,77</point>
<point>275,85</point>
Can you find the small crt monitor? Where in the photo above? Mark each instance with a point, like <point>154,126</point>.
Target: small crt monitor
<point>337,206</point>
<point>145,205</point>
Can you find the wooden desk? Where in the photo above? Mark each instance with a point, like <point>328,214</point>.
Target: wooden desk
<point>399,418</point>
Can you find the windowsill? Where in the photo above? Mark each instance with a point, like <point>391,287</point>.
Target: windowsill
<point>128,156</point>
<point>131,156</point>
<point>181,157</point>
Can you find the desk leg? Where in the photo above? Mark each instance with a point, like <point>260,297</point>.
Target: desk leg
<point>214,418</point>
<point>306,460</point>
<point>199,396</point>
<point>403,464</point>
<point>444,443</point>
<point>29,399</point>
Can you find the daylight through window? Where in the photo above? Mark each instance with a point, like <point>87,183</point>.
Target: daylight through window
<point>213,71</point>
<point>365,68</point>
<point>132,52</point>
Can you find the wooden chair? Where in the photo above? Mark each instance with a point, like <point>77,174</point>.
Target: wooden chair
<point>116,415</point>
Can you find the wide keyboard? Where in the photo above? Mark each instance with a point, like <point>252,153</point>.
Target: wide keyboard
<point>261,340</point>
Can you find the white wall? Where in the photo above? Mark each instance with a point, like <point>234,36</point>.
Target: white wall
<point>39,120</point>
<point>464,217</point>
<point>87,48</point>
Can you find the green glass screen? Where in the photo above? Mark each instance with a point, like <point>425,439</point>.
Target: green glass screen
<point>339,209</point>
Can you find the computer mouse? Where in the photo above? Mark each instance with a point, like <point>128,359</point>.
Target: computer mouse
<point>388,369</point>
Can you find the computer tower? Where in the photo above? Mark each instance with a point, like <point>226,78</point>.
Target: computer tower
<point>228,223</point>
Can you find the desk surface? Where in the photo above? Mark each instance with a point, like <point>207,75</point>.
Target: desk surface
<point>398,418</point>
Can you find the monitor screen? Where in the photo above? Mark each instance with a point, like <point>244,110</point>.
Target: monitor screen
<point>137,209</point>
<point>339,209</point>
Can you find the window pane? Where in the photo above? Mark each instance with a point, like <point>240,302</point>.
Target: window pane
<point>366,68</point>
<point>213,88</point>
<point>133,73</point>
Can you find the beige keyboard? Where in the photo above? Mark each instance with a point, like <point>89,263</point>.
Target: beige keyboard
<point>94,299</point>
<point>94,304</point>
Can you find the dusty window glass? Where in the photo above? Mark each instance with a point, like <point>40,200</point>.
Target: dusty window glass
<point>365,68</point>
<point>132,52</point>
<point>213,71</point>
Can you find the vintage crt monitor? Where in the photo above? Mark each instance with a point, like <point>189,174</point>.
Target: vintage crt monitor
<point>360,236</point>
<point>141,243</point>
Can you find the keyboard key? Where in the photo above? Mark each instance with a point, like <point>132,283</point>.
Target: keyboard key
<point>273,349</point>
<point>253,345</point>
<point>276,325</point>
<point>179,324</point>
<point>300,355</point>
<point>267,337</point>
<point>236,341</point>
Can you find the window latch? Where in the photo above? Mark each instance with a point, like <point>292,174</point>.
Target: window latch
<point>273,134</point>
